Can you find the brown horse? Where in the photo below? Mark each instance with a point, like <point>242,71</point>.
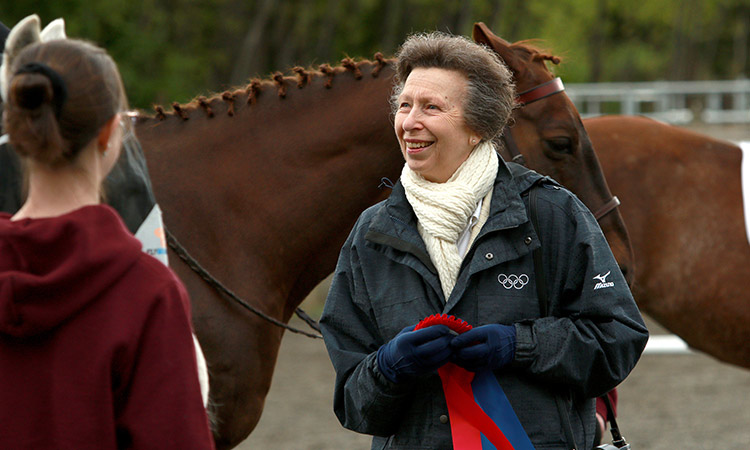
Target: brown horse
<point>262,186</point>
<point>682,203</point>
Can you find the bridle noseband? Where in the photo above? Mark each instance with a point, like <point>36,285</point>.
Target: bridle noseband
<point>532,95</point>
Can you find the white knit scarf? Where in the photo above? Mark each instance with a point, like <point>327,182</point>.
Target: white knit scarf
<point>443,209</point>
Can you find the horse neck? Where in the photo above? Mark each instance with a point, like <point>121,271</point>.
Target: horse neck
<point>272,191</point>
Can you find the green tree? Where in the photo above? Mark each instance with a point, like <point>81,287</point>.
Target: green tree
<point>174,50</point>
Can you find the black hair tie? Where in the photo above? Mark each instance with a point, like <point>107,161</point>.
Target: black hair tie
<point>59,89</point>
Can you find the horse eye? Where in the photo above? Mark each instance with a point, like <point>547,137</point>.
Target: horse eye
<point>560,145</point>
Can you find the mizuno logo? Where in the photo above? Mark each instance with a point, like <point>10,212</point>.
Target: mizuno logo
<point>603,283</point>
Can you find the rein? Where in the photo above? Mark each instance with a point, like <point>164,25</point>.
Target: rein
<point>175,245</point>
<point>532,95</point>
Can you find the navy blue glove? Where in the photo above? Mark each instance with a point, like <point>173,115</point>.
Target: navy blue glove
<point>413,353</point>
<point>486,347</point>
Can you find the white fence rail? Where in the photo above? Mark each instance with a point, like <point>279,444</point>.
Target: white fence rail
<point>678,102</point>
<point>666,344</point>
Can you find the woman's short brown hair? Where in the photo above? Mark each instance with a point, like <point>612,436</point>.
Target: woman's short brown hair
<point>490,92</point>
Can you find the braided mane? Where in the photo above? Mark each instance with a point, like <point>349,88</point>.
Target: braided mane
<point>534,53</point>
<point>249,94</point>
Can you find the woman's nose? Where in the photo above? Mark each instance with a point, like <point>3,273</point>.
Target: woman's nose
<point>412,120</point>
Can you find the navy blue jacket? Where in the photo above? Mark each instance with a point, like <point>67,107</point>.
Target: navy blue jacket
<point>385,281</point>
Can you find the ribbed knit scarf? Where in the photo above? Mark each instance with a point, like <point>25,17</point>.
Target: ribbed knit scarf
<point>443,209</point>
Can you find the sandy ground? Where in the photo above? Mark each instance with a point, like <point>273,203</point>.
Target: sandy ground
<point>687,401</point>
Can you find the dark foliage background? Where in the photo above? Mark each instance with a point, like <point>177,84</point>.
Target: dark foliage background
<point>174,50</point>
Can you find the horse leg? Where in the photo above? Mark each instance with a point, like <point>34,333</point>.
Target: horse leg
<point>241,351</point>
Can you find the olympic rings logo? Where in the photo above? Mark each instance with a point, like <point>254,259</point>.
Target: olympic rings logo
<point>513,281</point>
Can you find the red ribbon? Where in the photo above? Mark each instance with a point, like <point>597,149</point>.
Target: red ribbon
<point>466,416</point>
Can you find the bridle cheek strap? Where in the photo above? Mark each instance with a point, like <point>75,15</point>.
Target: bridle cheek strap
<point>607,208</point>
<point>544,90</point>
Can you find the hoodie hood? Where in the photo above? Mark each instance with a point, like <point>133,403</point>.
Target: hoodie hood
<point>52,268</point>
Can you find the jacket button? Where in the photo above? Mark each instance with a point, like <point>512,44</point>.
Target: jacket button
<point>527,240</point>
<point>443,419</point>
<point>489,256</point>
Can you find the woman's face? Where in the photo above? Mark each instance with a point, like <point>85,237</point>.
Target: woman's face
<point>430,125</point>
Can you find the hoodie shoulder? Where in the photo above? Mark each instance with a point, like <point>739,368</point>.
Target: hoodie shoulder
<point>51,268</point>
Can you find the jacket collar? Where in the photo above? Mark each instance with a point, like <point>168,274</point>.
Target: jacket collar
<point>396,218</point>
<point>394,226</point>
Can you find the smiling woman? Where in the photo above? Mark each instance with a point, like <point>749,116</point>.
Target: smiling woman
<point>454,223</point>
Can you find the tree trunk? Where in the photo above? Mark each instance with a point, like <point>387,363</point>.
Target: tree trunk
<point>328,26</point>
<point>391,21</point>
<point>597,41</point>
<point>251,56</point>
<point>741,37</point>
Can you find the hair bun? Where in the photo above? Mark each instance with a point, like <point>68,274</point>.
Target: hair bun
<point>30,118</point>
<point>31,91</point>
<point>53,89</point>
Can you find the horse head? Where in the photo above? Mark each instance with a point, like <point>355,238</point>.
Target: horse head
<point>547,134</point>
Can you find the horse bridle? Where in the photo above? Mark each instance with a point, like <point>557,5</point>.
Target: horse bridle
<point>532,95</point>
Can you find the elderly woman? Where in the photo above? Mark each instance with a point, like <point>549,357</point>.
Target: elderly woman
<point>454,238</point>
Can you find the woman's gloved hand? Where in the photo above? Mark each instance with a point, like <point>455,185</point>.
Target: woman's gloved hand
<point>413,353</point>
<point>486,347</point>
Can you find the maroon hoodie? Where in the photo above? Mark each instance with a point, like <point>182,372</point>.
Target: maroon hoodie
<point>95,340</point>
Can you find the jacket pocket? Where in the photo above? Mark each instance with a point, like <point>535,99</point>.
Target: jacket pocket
<point>394,314</point>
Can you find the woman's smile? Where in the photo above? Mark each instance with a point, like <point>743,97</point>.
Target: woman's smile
<point>414,146</point>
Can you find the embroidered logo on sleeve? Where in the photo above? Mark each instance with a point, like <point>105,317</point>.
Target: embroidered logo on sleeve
<point>513,281</point>
<point>603,283</point>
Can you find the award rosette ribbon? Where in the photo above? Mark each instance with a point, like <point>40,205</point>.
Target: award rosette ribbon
<point>481,416</point>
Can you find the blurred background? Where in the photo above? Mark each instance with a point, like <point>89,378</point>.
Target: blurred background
<point>174,50</point>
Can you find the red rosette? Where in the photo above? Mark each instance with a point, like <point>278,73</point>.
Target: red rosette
<point>452,322</point>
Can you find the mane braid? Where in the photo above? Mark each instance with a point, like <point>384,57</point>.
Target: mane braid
<point>204,104</point>
<point>381,62</point>
<point>160,114</point>
<point>547,57</point>
<point>536,54</point>
<point>180,111</point>
<point>253,89</point>
<point>228,97</point>
<point>278,79</point>
<point>328,71</point>
<point>302,77</point>
<point>350,65</point>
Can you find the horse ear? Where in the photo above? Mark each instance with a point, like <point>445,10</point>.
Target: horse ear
<point>25,32</point>
<point>53,30</point>
<point>482,35</point>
